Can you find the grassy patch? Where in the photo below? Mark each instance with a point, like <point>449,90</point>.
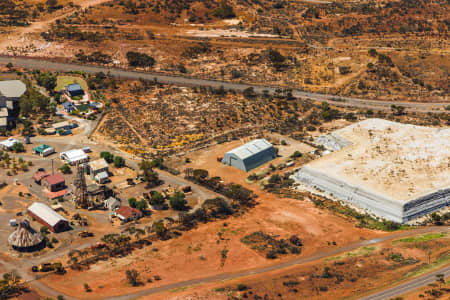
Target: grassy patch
<point>441,261</point>
<point>421,238</point>
<point>358,252</point>
<point>180,289</point>
<point>62,81</point>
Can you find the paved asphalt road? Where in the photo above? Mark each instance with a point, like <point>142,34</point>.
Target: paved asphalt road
<point>408,286</point>
<point>32,63</point>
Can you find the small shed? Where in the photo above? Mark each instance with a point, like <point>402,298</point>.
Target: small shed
<point>74,156</point>
<point>112,203</point>
<point>8,144</point>
<point>102,177</point>
<point>68,107</point>
<point>48,217</point>
<point>50,131</point>
<point>250,155</point>
<point>39,175</point>
<point>55,182</point>
<point>74,90</point>
<point>43,150</point>
<point>62,126</point>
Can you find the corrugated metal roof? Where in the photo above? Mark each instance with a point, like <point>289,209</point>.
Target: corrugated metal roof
<point>251,148</point>
<point>74,155</point>
<point>73,87</point>
<point>9,142</point>
<point>55,179</point>
<point>45,213</point>
<point>61,124</point>
<point>12,88</point>
<point>98,164</point>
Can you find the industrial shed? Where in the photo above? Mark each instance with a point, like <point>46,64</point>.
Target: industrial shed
<point>250,155</point>
<point>74,156</point>
<point>48,217</point>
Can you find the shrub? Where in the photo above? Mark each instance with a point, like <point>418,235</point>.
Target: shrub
<point>137,59</point>
<point>65,169</point>
<point>224,11</point>
<point>178,201</point>
<point>108,156</point>
<point>119,162</point>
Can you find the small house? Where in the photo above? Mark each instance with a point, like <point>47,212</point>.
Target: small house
<point>98,170</point>
<point>48,217</point>
<point>127,213</point>
<point>55,183</point>
<point>74,90</point>
<point>50,131</point>
<point>62,126</point>
<point>112,203</point>
<point>38,176</point>
<point>68,107</point>
<point>43,150</point>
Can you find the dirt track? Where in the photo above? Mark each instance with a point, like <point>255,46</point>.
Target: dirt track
<point>411,285</point>
<point>185,81</point>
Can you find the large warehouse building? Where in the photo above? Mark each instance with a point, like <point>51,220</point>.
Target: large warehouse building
<point>250,155</point>
<point>48,217</point>
<point>396,171</point>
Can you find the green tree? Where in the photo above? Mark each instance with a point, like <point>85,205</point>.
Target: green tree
<point>149,175</point>
<point>47,79</point>
<point>65,169</point>
<point>373,52</point>
<point>296,154</point>
<point>108,156</point>
<point>132,202</point>
<point>178,201</point>
<point>157,199</point>
<point>142,205</point>
<point>119,162</point>
<point>137,59</point>
<point>18,147</point>
<point>159,228</point>
<point>44,230</point>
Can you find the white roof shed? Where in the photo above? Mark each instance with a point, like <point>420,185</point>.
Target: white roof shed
<point>46,214</point>
<point>74,156</point>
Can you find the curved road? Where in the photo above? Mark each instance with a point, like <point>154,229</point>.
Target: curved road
<point>32,63</point>
<point>410,285</point>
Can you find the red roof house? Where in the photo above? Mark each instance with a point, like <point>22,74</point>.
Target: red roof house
<point>55,182</point>
<point>38,176</point>
<point>127,213</point>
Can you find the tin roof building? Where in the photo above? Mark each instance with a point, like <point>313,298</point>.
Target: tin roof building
<point>74,156</point>
<point>48,217</point>
<point>74,90</point>
<point>250,155</point>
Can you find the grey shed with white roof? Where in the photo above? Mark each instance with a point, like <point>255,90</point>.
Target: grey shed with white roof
<point>250,155</point>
